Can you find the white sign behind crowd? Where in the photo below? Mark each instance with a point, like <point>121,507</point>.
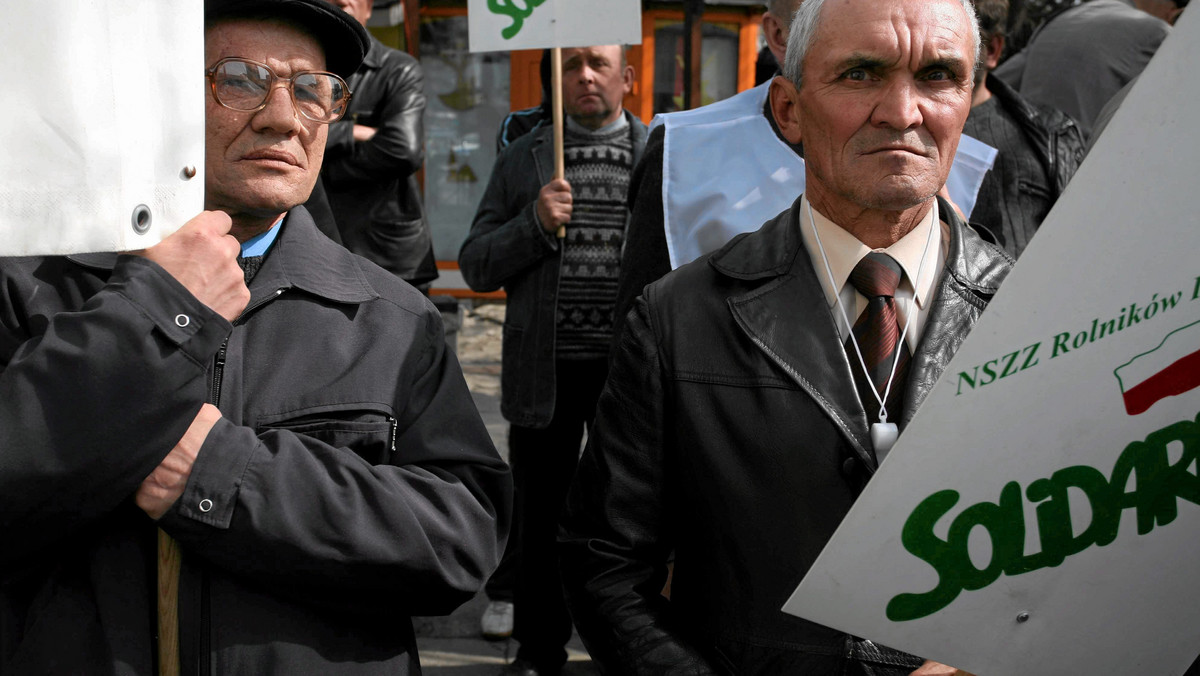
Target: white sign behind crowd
<point>104,123</point>
<point>502,25</point>
<point>1040,515</point>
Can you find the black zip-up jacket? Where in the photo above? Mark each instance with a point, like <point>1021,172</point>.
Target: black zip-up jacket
<point>349,485</point>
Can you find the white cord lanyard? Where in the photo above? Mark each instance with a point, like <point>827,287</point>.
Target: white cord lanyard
<point>883,433</point>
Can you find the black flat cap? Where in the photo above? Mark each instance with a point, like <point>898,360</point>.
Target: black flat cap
<point>342,37</point>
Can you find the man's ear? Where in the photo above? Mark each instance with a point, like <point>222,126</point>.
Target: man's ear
<point>785,107</point>
<point>776,34</point>
<point>992,51</point>
<point>628,75</point>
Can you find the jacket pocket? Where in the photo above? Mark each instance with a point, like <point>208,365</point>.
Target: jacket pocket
<point>367,430</point>
<point>1035,189</point>
<point>517,373</point>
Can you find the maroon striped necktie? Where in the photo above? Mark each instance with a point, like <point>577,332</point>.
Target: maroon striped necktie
<point>877,331</point>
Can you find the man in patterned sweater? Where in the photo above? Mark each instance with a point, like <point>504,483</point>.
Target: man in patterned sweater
<point>554,245</point>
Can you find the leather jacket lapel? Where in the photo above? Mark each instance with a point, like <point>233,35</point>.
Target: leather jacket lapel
<point>971,277</point>
<point>789,320</point>
<point>786,316</point>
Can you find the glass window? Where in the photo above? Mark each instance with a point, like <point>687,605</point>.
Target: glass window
<point>468,98</point>
<point>718,64</point>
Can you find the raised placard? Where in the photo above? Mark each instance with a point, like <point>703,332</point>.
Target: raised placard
<point>1040,515</point>
<point>104,131</point>
<point>502,25</point>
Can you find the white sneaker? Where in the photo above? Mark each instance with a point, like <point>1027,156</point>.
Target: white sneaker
<point>497,620</point>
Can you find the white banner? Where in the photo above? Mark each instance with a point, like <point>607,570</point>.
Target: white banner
<point>503,25</point>
<point>1040,515</point>
<point>104,123</point>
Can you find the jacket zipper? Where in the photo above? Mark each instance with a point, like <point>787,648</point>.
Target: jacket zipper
<point>214,389</point>
<point>1052,164</point>
<point>241,319</point>
<point>394,425</point>
<point>202,642</point>
<point>204,659</point>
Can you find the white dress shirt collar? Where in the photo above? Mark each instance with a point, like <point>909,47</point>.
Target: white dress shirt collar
<point>844,251</point>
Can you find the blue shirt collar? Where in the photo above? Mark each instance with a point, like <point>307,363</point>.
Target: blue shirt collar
<point>259,244</point>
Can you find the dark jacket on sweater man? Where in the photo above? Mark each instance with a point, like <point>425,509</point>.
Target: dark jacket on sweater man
<point>507,247</point>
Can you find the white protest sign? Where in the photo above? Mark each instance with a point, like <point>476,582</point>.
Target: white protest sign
<point>104,108</point>
<point>1041,513</point>
<point>502,25</point>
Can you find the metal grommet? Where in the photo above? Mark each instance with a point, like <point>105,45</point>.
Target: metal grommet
<point>1022,616</point>
<point>141,219</point>
<point>188,173</point>
<point>182,320</point>
<point>206,505</point>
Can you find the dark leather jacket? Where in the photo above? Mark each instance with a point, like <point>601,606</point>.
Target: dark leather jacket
<point>508,248</point>
<point>730,433</point>
<point>372,185</point>
<point>1015,210</point>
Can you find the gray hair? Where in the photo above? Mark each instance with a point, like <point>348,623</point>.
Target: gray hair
<point>783,10</point>
<point>808,20</point>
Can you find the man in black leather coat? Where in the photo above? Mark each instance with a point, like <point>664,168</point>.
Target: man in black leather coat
<point>731,434</point>
<point>1080,57</point>
<point>372,158</point>
<point>1040,147</point>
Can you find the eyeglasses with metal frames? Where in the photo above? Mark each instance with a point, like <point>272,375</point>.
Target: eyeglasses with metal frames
<point>244,85</point>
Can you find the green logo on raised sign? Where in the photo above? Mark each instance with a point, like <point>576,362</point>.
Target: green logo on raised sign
<point>510,9</point>
<point>1158,485</point>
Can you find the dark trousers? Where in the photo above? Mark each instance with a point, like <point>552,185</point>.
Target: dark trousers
<point>543,463</point>
<point>502,585</point>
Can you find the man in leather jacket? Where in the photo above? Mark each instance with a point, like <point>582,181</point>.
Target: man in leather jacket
<point>733,433</point>
<point>372,158</point>
<point>1083,54</point>
<point>1040,147</point>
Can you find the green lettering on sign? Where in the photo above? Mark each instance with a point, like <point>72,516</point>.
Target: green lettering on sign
<point>1157,486</point>
<point>510,9</point>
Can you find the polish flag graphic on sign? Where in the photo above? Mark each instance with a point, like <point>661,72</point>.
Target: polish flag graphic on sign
<point>1168,370</point>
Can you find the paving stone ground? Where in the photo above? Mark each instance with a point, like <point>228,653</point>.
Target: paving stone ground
<point>452,645</point>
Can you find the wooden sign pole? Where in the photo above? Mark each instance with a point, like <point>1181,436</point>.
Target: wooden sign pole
<point>170,557</point>
<point>556,98</point>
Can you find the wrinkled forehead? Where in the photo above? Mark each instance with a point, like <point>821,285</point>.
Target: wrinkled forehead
<point>918,30</point>
<point>267,39</point>
<point>611,52</point>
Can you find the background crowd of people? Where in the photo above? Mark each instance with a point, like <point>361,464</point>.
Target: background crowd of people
<point>289,416</point>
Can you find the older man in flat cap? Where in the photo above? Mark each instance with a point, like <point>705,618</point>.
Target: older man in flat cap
<point>316,455</point>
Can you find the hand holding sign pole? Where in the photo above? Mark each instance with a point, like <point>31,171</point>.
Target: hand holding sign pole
<point>502,25</point>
